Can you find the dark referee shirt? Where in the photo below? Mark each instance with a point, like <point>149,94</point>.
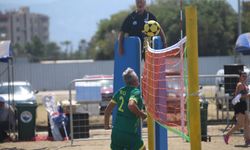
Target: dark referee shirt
<point>134,23</point>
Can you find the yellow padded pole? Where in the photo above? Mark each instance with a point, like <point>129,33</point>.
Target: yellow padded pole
<point>151,134</point>
<point>193,80</point>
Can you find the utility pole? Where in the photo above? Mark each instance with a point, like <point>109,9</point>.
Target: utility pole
<point>237,57</point>
<point>239,17</point>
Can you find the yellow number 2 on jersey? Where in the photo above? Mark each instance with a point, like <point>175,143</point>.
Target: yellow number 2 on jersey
<point>121,98</point>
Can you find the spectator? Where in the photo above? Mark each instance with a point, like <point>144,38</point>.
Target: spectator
<point>240,109</point>
<point>7,119</point>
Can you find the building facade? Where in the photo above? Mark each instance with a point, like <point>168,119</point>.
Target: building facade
<point>22,25</point>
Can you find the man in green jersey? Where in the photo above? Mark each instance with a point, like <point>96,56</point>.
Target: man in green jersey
<point>129,103</point>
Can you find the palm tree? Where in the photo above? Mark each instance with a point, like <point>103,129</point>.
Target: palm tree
<point>66,44</point>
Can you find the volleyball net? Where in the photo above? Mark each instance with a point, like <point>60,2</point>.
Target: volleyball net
<point>163,87</point>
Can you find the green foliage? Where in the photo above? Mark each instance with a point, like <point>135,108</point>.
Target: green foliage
<point>52,52</point>
<point>101,46</point>
<point>37,51</point>
<point>246,16</point>
<point>217,28</point>
<point>19,50</point>
<point>168,16</point>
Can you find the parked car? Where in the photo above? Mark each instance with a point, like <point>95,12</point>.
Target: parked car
<point>22,93</point>
<point>106,82</point>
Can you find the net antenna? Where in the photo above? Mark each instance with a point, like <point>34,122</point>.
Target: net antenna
<point>181,18</point>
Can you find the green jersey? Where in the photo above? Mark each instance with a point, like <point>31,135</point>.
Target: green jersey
<point>126,120</point>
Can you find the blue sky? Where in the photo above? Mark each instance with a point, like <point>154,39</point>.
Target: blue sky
<point>74,19</point>
<point>71,19</point>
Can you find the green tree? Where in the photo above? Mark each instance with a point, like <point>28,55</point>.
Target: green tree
<point>19,50</point>
<point>168,16</point>
<point>52,52</point>
<point>82,45</point>
<point>217,28</point>
<point>67,49</point>
<point>35,49</point>
<point>245,16</point>
<point>101,45</point>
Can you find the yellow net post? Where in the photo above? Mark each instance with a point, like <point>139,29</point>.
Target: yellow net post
<point>193,81</point>
<point>151,134</point>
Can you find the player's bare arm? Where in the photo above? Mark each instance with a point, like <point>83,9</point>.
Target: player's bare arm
<point>107,114</point>
<point>132,106</point>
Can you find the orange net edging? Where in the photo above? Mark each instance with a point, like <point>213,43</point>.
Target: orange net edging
<point>163,87</point>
